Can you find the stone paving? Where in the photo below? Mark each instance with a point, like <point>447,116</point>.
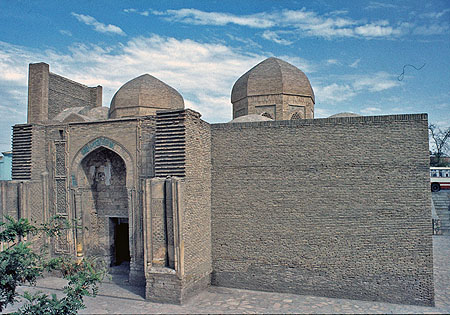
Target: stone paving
<point>116,297</point>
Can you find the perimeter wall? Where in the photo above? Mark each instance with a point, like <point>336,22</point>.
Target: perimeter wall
<point>336,207</point>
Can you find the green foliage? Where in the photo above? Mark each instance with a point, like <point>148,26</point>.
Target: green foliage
<point>15,230</point>
<point>82,281</point>
<point>20,265</point>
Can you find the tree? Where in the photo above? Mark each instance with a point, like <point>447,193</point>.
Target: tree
<point>21,264</point>
<point>440,142</point>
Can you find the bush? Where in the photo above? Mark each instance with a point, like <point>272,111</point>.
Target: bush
<point>20,264</point>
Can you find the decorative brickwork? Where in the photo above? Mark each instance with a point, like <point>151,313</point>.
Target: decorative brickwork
<point>296,115</point>
<point>272,86</point>
<point>36,202</point>
<point>61,243</point>
<point>22,145</point>
<point>60,176</point>
<point>334,207</point>
<point>61,196</point>
<point>170,144</point>
<point>64,93</point>
<point>60,159</point>
<point>61,204</point>
<point>49,94</point>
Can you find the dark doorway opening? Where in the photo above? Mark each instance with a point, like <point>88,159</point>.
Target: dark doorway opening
<point>120,249</point>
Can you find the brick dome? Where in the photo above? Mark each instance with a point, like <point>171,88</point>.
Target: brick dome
<point>143,96</point>
<point>275,89</point>
<point>344,114</point>
<point>272,76</point>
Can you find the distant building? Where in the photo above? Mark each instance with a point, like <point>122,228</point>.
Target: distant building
<point>5,165</point>
<point>275,200</point>
<point>444,160</point>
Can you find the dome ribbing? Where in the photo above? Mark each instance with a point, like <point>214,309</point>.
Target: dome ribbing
<point>143,96</point>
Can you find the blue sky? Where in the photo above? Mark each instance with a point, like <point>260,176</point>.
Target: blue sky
<point>352,51</point>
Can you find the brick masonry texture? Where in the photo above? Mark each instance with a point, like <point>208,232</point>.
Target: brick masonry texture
<point>125,133</point>
<point>332,207</point>
<point>64,93</point>
<point>144,95</point>
<point>336,207</point>
<point>49,94</point>
<point>38,79</point>
<point>197,198</point>
<point>148,148</point>
<point>273,83</point>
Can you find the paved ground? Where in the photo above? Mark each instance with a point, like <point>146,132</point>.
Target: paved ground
<point>117,298</point>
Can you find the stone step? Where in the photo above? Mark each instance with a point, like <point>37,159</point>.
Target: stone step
<point>21,152</point>
<point>170,137</point>
<point>168,151</point>
<point>170,169</point>
<point>167,128</point>
<point>21,141</point>
<point>169,155</point>
<point>176,147</point>
<point>170,116</point>
<point>167,133</point>
<point>169,141</point>
<point>170,146</point>
<point>172,172</point>
<point>170,165</point>
<point>161,113</point>
<point>21,145</point>
<point>172,120</point>
<point>165,174</point>
<point>171,159</point>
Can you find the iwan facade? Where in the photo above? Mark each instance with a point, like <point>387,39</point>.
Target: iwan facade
<point>275,200</point>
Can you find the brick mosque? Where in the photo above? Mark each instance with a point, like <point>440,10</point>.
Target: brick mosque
<point>274,200</point>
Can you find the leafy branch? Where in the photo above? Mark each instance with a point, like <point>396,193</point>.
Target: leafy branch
<point>20,264</point>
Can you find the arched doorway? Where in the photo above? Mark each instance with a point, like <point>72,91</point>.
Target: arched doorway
<point>105,211</point>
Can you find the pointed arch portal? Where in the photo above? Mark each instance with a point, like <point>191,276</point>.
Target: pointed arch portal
<point>102,183</point>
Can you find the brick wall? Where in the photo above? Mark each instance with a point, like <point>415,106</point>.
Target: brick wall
<point>123,132</point>
<point>336,207</point>
<point>39,153</point>
<point>64,93</point>
<point>49,94</point>
<point>9,199</point>
<point>148,147</point>
<point>197,197</point>
<point>38,77</point>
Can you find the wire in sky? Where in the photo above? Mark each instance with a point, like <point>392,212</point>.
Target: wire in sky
<point>402,75</point>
